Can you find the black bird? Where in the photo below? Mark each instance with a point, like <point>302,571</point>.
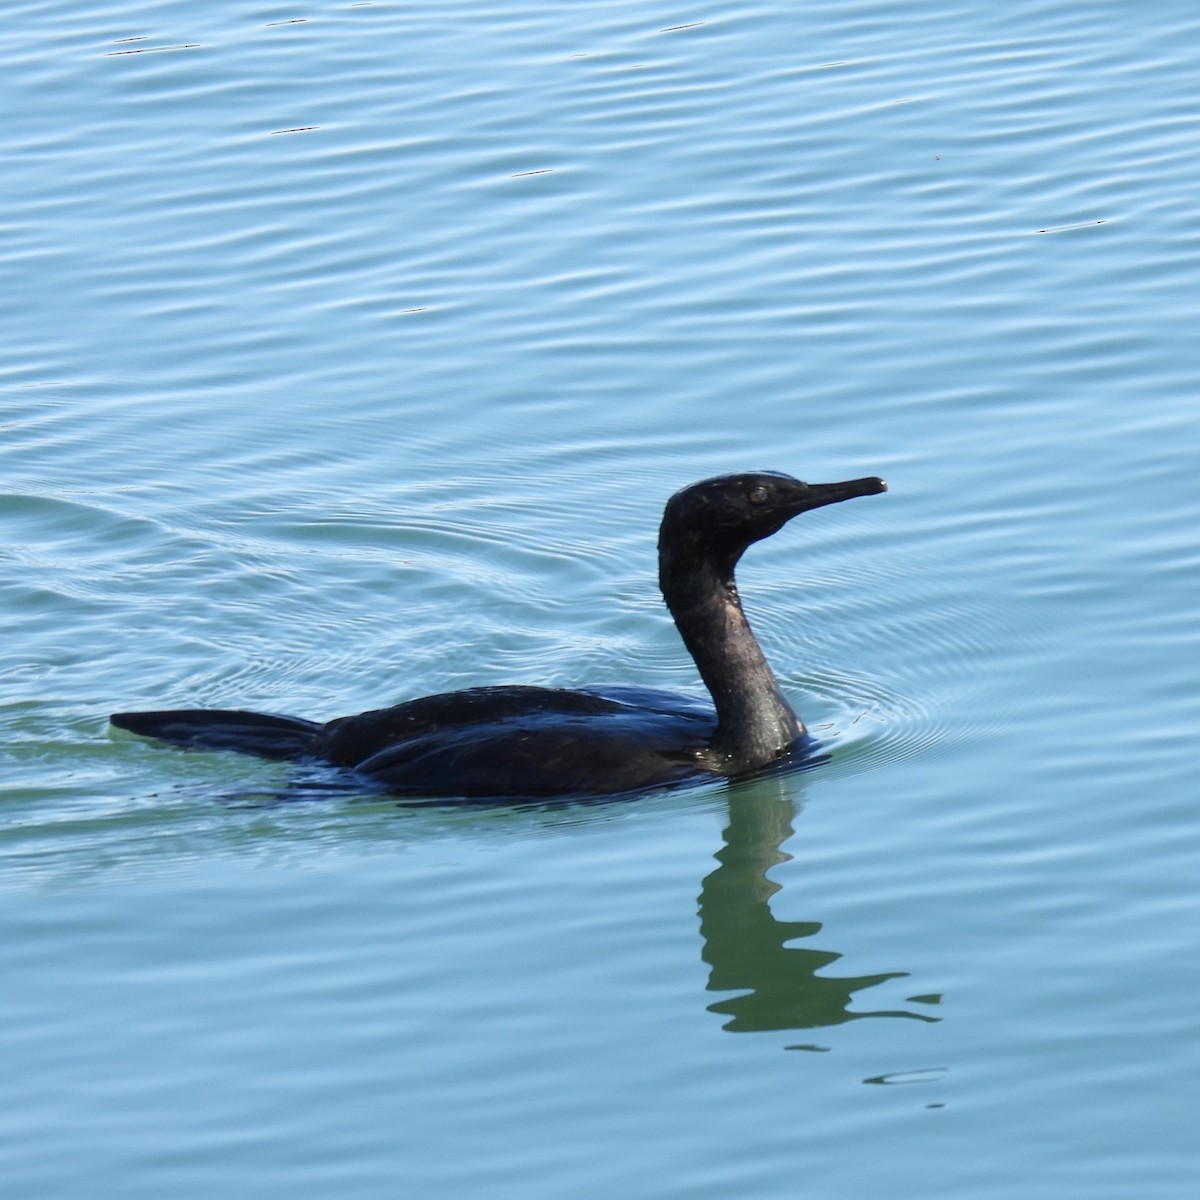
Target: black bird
<point>527,742</point>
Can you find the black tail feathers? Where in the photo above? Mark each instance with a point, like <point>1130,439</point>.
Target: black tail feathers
<point>261,734</point>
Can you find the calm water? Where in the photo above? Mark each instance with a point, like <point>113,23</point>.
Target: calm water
<point>349,351</point>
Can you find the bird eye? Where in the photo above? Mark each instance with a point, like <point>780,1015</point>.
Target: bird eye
<point>758,495</point>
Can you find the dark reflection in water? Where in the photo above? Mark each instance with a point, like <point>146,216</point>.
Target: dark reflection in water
<point>783,986</point>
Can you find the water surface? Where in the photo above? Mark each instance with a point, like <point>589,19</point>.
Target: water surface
<point>348,353</point>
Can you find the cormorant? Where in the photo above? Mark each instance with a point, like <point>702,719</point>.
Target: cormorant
<point>527,742</point>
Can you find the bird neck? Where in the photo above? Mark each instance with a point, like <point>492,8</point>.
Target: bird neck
<point>755,723</point>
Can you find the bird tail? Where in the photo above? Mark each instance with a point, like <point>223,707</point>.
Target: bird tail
<point>261,734</point>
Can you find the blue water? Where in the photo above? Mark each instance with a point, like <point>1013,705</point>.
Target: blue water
<point>349,352</point>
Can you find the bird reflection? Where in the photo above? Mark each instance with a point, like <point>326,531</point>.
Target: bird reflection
<point>779,985</point>
<point>783,986</point>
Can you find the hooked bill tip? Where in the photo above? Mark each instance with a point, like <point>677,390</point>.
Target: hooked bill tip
<point>869,485</point>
